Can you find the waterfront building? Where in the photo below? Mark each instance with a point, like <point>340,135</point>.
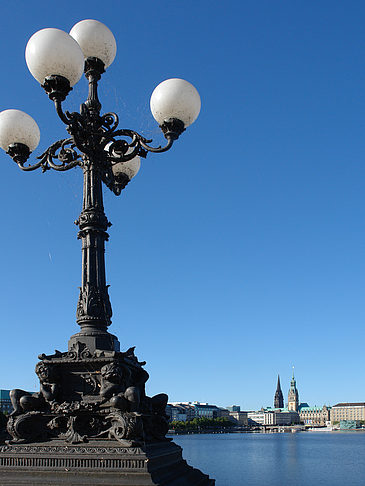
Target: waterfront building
<point>5,403</point>
<point>270,416</point>
<point>256,418</point>
<point>293,396</point>
<point>348,412</point>
<point>205,410</point>
<point>278,399</point>
<point>185,411</point>
<point>314,415</point>
<point>182,411</point>
<point>176,412</point>
<point>281,417</point>
<point>240,418</point>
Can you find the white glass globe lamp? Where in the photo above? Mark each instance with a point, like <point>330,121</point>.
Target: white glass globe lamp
<point>175,98</point>
<point>129,168</point>
<point>17,127</point>
<point>51,52</point>
<point>95,40</point>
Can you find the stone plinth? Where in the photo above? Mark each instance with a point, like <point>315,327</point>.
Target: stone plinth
<point>99,462</point>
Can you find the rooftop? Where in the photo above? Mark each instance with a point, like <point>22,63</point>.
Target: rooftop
<point>357,404</point>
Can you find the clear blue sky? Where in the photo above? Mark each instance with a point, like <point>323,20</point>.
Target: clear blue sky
<point>239,253</point>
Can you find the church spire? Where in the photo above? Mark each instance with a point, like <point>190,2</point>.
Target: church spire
<point>278,399</point>
<point>278,387</point>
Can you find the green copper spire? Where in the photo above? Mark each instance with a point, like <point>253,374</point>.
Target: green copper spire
<point>293,378</point>
<point>293,395</point>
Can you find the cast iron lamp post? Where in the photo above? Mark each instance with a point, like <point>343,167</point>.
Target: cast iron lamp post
<point>106,153</point>
<point>93,392</point>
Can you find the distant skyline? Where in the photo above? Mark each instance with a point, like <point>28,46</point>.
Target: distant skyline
<point>270,403</point>
<point>240,252</point>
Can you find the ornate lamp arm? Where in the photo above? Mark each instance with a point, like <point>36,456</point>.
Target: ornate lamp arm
<point>144,143</point>
<point>67,156</point>
<point>122,151</point>
<point>57,87</point>
<point>20,154</point>
<point>64,117</point>
<point>172,129</point>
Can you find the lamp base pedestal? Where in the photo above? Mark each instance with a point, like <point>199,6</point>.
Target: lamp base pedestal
<point>99,462</point>
<point>95,340</point>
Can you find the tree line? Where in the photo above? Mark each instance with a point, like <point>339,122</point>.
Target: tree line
<point>202,423</point>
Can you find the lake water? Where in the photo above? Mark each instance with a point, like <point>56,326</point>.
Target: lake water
<point>300,459</point>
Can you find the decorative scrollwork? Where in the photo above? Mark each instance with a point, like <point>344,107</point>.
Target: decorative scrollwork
<point>29,426</point>
<point>122,151</point>
<point>110,121</point>
<point>67,156</point>
<point>79,351</point>
<point>126,428</point>
<point>74,434</point>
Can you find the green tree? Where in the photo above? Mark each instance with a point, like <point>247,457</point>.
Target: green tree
<point>202,423</point>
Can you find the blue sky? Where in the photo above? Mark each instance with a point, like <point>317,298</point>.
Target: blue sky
<point>240,252</point>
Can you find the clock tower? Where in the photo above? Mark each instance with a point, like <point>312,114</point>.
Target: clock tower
<point>293,396</point>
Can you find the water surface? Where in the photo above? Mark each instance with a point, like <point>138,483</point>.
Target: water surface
<point>301,459</point>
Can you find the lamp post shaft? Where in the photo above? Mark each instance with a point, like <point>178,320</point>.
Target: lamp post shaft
<point>93,308</point>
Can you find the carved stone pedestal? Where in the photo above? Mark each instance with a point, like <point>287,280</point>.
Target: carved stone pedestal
<point>98,462</point>
<point>92,423</point>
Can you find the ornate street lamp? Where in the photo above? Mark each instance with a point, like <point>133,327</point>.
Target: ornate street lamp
<point>93,391</point>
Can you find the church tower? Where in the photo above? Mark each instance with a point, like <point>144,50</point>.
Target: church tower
<point>278,399</point>
<point>293,396</point>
